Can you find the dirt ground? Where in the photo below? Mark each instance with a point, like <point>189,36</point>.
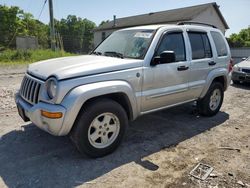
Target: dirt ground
<point>159,149</point>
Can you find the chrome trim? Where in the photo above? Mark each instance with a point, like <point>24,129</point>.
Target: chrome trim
<point>166,93</point>
<point>30,89</point>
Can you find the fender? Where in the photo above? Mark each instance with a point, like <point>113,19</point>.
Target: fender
<point>75,99</point>
<point>214,74</point>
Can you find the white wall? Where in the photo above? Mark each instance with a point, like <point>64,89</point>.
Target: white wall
<point>210,16</point>
<point>26,42</point>
<point>239,53</point>
<point>98,36</point>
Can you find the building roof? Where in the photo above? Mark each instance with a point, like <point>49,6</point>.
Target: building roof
<point>169,16</point>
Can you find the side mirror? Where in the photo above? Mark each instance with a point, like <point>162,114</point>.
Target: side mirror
<point>244,58</point>
<point>165,57</point>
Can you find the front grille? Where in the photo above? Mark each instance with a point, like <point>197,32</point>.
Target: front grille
<point>30,89</point>
<point>246,70</point>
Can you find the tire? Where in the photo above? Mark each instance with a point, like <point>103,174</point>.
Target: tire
<point>211,103</point>
<point>99,128</point>
<point>236,82</point>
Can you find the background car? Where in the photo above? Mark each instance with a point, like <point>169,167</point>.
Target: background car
<point>241,71</point>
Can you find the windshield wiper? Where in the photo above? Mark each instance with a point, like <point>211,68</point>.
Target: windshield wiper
<point>96,53</point>
<point>113,54</point>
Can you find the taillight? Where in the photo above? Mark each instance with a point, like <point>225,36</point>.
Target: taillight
<point>230,66</point>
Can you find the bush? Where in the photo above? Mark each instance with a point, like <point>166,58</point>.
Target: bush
<point>21,56</point>
<point>29,56</point>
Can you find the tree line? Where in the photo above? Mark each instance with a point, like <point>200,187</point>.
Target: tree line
<point>242,39</point>
<point>15,22</point>
<point>76,33</point>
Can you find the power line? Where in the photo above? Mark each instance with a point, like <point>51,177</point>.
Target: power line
<point>42,9</point>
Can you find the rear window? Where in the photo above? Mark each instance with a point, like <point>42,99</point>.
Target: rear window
<point>200,45</point>
<point>219,43</point>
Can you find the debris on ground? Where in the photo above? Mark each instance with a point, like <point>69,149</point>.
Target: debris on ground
<point>201,171</point>
<point>240,183</point>
<point>230,148</point>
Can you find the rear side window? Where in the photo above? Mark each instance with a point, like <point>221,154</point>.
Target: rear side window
<point>200,45</point>
<point>219,44</point>
<point>173,42</point>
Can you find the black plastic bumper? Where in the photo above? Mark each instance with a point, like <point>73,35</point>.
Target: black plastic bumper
<point>241,76</point>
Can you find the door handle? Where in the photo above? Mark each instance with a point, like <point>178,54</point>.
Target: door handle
<point>212,63</point>
<point>182,68</point>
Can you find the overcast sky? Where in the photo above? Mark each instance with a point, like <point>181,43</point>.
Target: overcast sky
<point>236,12</point>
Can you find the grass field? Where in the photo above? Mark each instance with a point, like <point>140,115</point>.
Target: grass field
<point>16,57</point>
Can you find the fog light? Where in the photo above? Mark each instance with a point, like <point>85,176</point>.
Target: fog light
<point>51,115</point>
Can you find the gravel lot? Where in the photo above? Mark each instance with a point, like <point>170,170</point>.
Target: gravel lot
<point>159,149</point>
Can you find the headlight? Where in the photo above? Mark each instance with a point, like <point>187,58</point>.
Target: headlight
<point>236,68</point>
<point>51,84</point>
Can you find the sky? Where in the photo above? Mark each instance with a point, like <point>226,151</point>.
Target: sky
<point>235,12</point>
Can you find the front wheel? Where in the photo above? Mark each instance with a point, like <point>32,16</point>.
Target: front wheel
<point>99,128</point>
<point>211,103</point>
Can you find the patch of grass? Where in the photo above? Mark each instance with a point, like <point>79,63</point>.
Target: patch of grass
<point>14,57</point>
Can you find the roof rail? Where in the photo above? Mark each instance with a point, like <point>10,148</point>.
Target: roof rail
<point>195,23</point>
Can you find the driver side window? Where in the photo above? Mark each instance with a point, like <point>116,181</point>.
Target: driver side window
<point>173,42</point>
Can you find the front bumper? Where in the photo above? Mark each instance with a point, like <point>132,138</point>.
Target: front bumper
<point>241,76</point>
<point>33,113</point>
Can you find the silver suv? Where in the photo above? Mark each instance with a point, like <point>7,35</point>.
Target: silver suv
<point>133,72</point>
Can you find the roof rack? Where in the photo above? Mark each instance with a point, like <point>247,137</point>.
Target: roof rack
<point>195,23</point>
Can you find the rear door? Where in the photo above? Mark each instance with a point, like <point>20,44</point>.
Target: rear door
<point>202,61</point>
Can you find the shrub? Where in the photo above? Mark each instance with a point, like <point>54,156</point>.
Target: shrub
<point>29,56</point>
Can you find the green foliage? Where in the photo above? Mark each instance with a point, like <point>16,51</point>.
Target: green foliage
<point>29,56</point>
<point>77,34</point>
<point>103,22</point>
<point>15,22</point>
<point>21,55</point>
<point>242,39</point>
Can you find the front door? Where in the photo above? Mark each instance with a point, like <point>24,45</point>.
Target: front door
<point>167,84</point>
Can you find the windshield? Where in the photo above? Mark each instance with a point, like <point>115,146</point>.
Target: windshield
<point>126,44</point>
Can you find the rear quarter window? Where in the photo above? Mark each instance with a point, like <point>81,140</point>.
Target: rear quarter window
<point>219,42</point>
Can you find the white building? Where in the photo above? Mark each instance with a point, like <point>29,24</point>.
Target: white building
<point>205,13</point>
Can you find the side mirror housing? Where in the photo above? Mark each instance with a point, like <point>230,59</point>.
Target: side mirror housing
<point>244,58</point>
<point>165,57</point>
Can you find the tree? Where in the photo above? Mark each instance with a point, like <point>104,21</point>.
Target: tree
<point>11,25</point>
<point>88,35</point>
<point>15,22</point>
<point>103,22</point>
<point>77,33</point>
<point>242,39</point>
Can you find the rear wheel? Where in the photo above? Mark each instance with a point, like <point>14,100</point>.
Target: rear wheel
<point>99,128</point>
<point>211,103</point>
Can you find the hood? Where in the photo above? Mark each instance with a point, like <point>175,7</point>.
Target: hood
<point>244,64</point>
<point>68,67</point>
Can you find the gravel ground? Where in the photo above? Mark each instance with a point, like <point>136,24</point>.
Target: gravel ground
<point>159,149</point>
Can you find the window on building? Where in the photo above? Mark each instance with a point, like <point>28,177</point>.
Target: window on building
<point>200,45</point>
